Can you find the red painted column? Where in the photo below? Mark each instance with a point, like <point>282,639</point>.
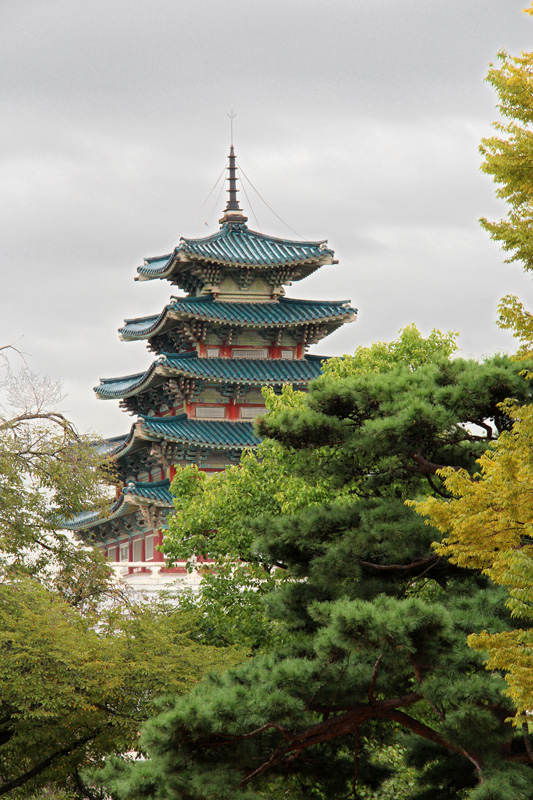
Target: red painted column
<point>233,410</point>
<point>158,555</point>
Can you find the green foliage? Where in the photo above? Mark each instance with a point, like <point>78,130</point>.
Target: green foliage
<point>212,521</point>
<point>48,473</point>
<point>371,625</point>
<point>508,159</point>
<point>487,522</point>
<point>81,664</point>
<point>488,525</point>
<point>76,686</point>
<point>410,349</point>
<point>508,156</point>
<point>214,512</point>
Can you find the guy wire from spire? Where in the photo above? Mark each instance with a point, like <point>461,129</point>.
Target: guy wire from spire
<point>243,173</point>
<point>251,207</point>
<point>193,217</point>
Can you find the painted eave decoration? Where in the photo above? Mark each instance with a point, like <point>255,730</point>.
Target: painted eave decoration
<point>131,498</point>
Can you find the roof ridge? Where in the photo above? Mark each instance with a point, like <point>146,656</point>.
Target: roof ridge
<point>232,229</point>
<point>126,377</point>
<point>152,484</point>
<point>144,319</point>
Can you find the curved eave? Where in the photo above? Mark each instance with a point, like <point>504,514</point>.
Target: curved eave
<point>129,444</point>
<point>91,519</point>
<point>239,247</point>
<point>129,501</point>
<point>107,447</point>
<point>128,385</point>
<point>285,313</point>
<point>241,372</point>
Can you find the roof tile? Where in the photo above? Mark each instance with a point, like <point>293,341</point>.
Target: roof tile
<point>237,244</point>
<point>284,312</point>
<point>218,433</point>
<point>252,372</point>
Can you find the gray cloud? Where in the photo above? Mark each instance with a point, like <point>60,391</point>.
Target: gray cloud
<point>357,121</point>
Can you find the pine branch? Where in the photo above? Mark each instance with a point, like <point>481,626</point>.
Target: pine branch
<point>333,728</point>
<point>420,562</point>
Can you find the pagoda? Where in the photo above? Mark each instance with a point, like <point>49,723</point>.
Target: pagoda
<point>231,332</point>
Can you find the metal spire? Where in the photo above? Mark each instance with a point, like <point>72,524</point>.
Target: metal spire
<point>232,212</point>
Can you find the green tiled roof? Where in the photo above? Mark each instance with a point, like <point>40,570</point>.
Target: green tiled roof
<point>107,447</point>
<point>111,388</point>
<point>157,492</point>
<point>220,434</point>
<point>237,244</point>
<point>252,372</point>
<point>88,519</point>
<point>281,313</point>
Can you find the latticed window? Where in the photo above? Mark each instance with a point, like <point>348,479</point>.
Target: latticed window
<point>210,412</point>
<point>251,412</point>
<point>287,354</point>
<point>137,550</point>
<point>212,352</point>
<point>124,552</point>
<point>112,553</point>
<point>251,352</point>
<point>149,548</point>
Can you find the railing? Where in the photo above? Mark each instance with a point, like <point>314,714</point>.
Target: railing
<point>154,567</point>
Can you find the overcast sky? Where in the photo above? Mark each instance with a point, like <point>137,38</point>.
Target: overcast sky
<point>357,120</point>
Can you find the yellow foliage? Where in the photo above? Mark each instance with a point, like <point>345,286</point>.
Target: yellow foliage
<point>513,316</point>
<point>488,525</point>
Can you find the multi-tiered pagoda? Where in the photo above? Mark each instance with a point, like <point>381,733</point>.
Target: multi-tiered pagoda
<point>232,332</point>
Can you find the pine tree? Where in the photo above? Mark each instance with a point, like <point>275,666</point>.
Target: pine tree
<point>372,623</point>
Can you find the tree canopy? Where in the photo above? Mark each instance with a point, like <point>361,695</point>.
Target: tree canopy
<point>508,159</point>
<point>213,512</point>
<point>81,663</point>
<point>488,525</point>
<point>371,622</point>
<point>48,473</point>
<point>487,520</point>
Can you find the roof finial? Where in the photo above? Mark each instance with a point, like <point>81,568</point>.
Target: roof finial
<point>232,212</point>
<point>231,117</point>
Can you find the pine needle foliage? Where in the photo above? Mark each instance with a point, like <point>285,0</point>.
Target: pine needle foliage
<point>372,624</point>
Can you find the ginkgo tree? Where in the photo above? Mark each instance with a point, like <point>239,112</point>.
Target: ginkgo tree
<point>508,159</point>
<point>488,520</point>
<point>488,526</point>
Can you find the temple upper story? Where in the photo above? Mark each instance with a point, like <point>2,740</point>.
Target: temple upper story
<point>238,264</point>
<point>232,333</point>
